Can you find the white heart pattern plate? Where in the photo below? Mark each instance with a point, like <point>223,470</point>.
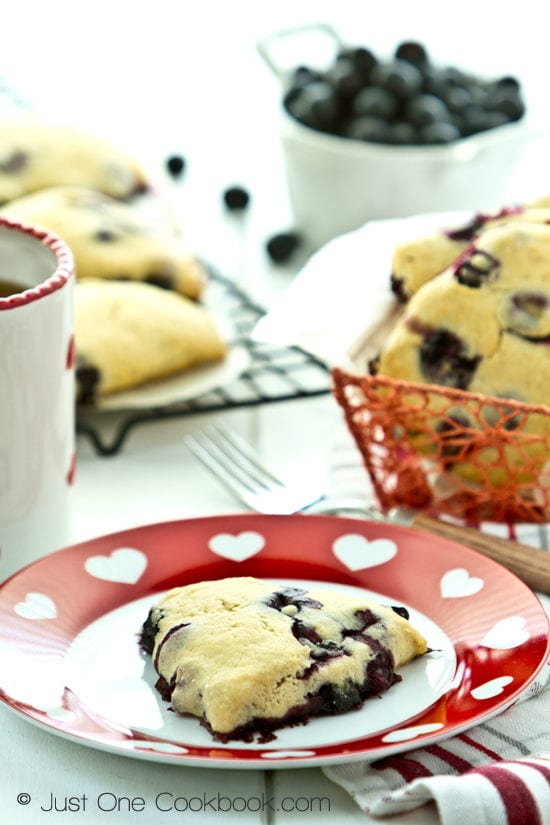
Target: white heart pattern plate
<point>72,620</point>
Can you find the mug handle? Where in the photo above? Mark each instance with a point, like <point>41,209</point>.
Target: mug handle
<point>265,45</point>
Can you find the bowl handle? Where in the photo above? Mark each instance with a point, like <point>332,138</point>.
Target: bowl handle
<point>266,45</point>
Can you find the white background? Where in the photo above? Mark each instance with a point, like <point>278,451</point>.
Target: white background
<point>168,76</point>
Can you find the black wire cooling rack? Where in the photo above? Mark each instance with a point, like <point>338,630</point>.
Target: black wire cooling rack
<point>274,373</point>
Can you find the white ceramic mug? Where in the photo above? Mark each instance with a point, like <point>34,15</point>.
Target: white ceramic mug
<point>37,431</point>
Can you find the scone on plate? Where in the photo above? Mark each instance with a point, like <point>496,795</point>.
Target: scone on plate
<point>417,261</point>
<point>37,155</point>
<point>247,657</point>
<point>129,333</point>
<point>110,239</point>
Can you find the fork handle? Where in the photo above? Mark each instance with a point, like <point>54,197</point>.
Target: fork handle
<point>529,564</point>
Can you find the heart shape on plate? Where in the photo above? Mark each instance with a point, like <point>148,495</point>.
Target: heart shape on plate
<point>356,552</point>
<point>237,547</point>
<point>124,565</point>
<point>506,634</point>
<point>36,606</point>
<point>457,583</point>
<point>492,688</point>
<point>403,734</point>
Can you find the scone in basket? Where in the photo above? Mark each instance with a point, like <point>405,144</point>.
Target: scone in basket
<point>447,451</point>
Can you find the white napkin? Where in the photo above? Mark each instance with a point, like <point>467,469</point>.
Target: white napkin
<point>342,295</point>
<point>497,773</point>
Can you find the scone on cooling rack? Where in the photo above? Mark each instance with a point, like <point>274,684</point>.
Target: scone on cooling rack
<point>247,657</point>
<point>110,239</point>
<point>129,333</point>
<point>37,155</point>
<point>417,261</point>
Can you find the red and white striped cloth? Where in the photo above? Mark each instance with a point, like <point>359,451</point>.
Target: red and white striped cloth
<point>497,773</point>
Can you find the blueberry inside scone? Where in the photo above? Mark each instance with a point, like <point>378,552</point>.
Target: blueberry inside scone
<point>246,657</point>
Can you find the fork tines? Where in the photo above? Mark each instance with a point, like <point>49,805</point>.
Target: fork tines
<point>232,459</point>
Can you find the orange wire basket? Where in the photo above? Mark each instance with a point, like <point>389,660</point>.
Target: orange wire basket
<point>449,452</point>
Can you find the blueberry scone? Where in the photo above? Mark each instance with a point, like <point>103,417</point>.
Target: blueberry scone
<point>483,325</point>
<point>37,155</point>
<point>455,326</point>
<point>419,260</point>
<point>130,333</point>
<point>110,239</point>
<point>248,657</point>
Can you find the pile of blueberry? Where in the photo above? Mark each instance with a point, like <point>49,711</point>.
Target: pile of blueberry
<point>403,101</point>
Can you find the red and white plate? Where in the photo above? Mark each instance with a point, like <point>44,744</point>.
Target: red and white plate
<point>70,659</point>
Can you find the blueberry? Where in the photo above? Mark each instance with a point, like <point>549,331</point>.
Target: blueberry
<point>507,100</point>
<point>301,76</point>
<point>412,52</point>
<point>443,359</point>
<point>525,310</point>
<point>457,77</point>
<point>87,380</point>
<point>468,230</point>
<point>303,632</point>
<point>374,129</point>
<point>105,236</point>
<point>363,59</point>
<point>457,98</point>
<point>439,133</point>
<point>434,82</point>
<point>403,134</point>
<point>399,77</point>
<point>175,165</point>
<point>316,105</point>
<point>236,198</point>
<point>376,102</point>
<point>476,268</point>
<point>508,80</point>
<point>15,163</point>
<point>473,119</point>
<point>281,247</point>
<point>345,77</point>
<point>292,596</point>
<point>424,110</point>
<point>398,288</point>
<point>164,280</point>
<point>401,611</point>
<point>327,650</point>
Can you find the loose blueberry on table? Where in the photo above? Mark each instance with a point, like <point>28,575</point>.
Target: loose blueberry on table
<point>281,246</point>
<point>236,198</point>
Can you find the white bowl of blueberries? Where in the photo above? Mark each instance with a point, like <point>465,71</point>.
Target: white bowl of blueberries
<point>369,138</point>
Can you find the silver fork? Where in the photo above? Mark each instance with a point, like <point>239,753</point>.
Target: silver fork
<point>235,463</point>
